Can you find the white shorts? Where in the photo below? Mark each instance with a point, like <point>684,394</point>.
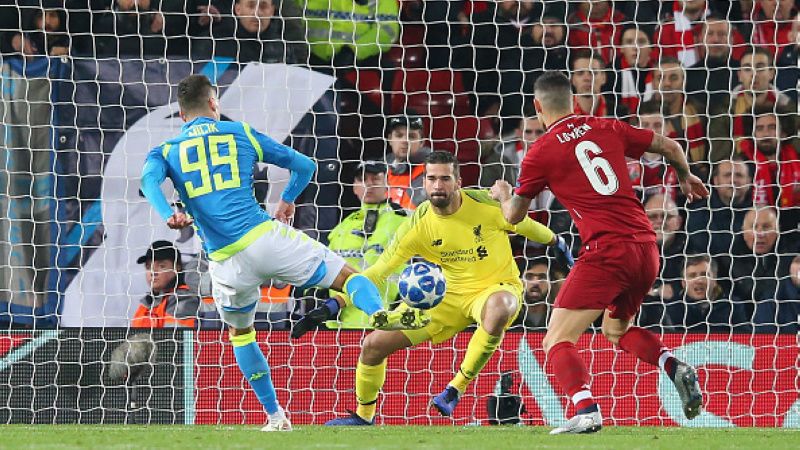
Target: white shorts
<point>282,253</point>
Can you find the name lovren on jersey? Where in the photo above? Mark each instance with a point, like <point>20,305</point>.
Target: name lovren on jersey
<point>574,134</point>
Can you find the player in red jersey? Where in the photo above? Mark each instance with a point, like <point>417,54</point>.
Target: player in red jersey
<point>582,160</point>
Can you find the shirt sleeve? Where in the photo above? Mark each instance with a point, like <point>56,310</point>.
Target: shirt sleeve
<point>153,174</point>
<point>532,179</point>
<point>532,230</point>
<point>399,251</point>
<point>271,151</point>
<point>637,140</point>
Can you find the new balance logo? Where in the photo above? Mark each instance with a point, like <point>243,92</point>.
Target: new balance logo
<point>436,243</point>
<point>481,251</point>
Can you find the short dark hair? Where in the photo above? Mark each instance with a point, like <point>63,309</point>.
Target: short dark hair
<point>650,107</point>
<point>586,54</point>
<point>553,90</point>
<point>736,158</point>
<point>753,50</point>
<point>694,260</point>
<point>443,157</point>
<point>193,92</point>
<point>669,60</point>
<point>785,116</point>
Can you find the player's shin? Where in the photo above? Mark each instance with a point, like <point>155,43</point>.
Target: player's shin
<point>369,381</point>
<point>480,349</point>
<point>255,369</point>
<point>363,294</point>
<point>572,375</point>
<point>648,347</point>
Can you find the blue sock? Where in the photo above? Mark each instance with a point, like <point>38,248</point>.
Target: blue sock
<point>333,306</point>
<point>255,369</point>
<point>364,294</point>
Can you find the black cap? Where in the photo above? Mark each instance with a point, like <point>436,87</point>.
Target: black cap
<point>371,167</point>
<point>161,251</point>
<point>412,122</point>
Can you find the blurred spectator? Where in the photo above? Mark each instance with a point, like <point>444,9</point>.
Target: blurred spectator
<point>588,75</point>
<point>170,302</point>
<point>651,174</point>
<point>710,80</point>
<point>712,223</point>
<point>777,173</point>
<point>363,235</point>
<point>682,120</point>
<point>256,32</point>
<point>406,171</point>
<point>537,296</point>
<point>772,23</point>
<point>788,70</point>
<point>781,314</point>
<point>677,37</point>
<point>344,32</point>
<point>549,40</point>
<point>503,54</point>
<point>139,29</point>
<point>757,258</point>
<point>634,77</point>
<point>667,224</point>
<point>756,90</point>
<point>43,33</point>
<point>505,156</point>
<point>596,26</point>
<point>702,305</point>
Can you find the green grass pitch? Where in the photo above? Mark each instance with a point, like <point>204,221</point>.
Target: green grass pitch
<point>388,437</point>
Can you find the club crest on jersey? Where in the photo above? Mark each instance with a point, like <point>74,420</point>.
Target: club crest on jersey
<point>573,134</point>
<point>477,232</point>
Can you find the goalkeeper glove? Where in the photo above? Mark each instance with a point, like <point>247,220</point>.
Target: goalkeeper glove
<point>564,251</point>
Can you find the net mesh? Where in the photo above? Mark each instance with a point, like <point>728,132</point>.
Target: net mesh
<point>89,87</point>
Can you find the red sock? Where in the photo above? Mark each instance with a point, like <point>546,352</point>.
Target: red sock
<point>647,347</point>
<point>571,373</point>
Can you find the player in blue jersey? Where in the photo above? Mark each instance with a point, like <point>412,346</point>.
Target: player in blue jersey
<point>211,167</point>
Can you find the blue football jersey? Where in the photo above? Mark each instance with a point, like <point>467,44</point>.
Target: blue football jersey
<point>211,165</point>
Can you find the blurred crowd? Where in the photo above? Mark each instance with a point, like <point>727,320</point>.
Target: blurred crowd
<point>720,77</point>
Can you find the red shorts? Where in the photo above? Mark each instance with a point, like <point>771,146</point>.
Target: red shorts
<point>612,276</point>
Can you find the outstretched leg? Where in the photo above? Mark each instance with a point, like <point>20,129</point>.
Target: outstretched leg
<point>648,347</point>
<point>566,326</point>
<point>497,313</point>
<point>371,374</point>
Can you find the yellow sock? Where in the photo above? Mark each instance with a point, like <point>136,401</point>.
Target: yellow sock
<point>369,381</point>
<point>481,347</point>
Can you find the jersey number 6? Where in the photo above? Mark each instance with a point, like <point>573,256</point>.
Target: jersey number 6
<point>593,167</point>
<point>200,164</point>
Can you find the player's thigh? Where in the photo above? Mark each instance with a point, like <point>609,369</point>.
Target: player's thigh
<point>504,298</point>
<point>567,325</point>
<point>589,285</point>
<point>644,258</point>
<point>290,255</point>
<point>235,291</point>
<point>380,344</point>
<point>447,319</point>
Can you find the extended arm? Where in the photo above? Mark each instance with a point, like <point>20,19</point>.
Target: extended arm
<point>153,174</point>
<point>515,207</point>
<point>691,186</point>
<point>301,167</point>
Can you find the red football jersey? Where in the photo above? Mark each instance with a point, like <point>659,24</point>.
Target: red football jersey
<point>582,160</point>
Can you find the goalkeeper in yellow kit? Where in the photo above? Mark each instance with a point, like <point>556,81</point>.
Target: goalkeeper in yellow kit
<point>464,232</point>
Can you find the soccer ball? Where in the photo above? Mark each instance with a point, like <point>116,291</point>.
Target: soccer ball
<point>422,285</point>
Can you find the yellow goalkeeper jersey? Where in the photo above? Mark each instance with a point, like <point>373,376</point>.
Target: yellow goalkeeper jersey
<point>471,245</point>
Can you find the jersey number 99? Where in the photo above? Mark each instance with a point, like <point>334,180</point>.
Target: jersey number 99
<point>194,159</point>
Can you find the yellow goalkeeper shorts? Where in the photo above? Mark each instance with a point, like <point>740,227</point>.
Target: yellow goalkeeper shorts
<point>456,312</point>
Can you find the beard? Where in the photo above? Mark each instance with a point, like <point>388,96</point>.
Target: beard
<point>768,147</point>
<point>440,201</point>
